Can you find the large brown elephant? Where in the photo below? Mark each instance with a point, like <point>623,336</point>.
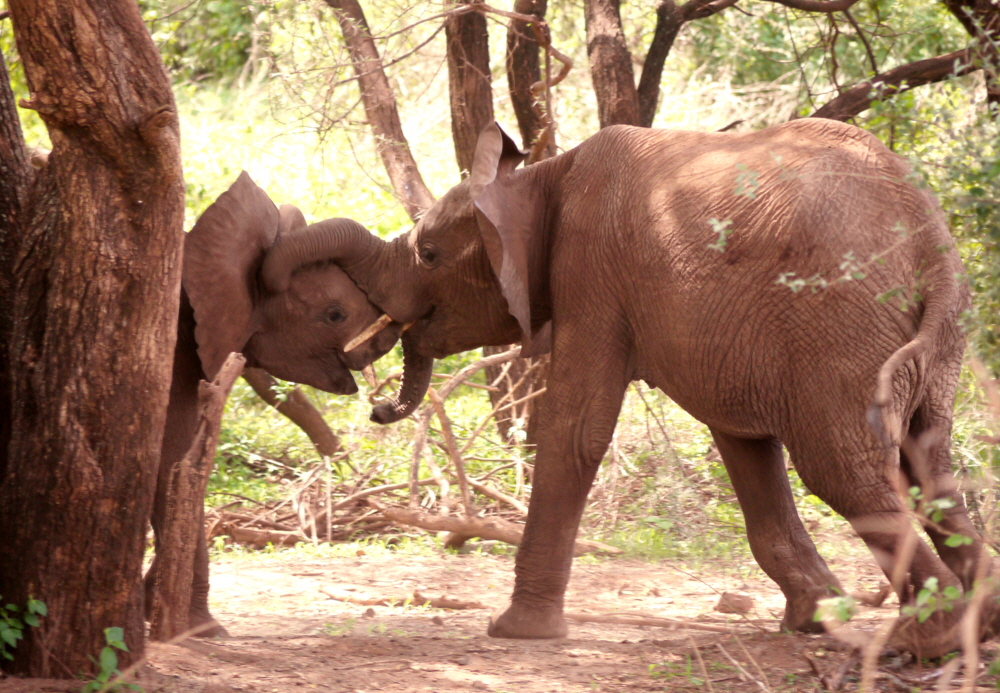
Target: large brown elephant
<point>756,278</point>
<point>297,334</point>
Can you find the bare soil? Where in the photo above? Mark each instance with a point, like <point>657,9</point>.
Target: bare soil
<point>286,634</point>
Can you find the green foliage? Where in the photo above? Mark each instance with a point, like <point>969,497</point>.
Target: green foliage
<point>13,621</point>
<point>107,664</point>
<point>930,599</point>
<point>201,41</point>
<point>839,609</point>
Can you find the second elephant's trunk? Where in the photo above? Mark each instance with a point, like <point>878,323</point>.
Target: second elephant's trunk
<point>417,371</point>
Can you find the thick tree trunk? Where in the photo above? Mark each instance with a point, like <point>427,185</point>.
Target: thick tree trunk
<point>468,83</point>
<point>15,176</point>
<point>610,64</point>
<point>90,322</point>
<point>523,70</point>
<point>380,107</point>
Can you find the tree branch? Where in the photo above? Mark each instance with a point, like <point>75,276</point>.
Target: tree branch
<point>669,21</point>
<point>903,78</point>
<point>817,5</point>
<point>380,107</point>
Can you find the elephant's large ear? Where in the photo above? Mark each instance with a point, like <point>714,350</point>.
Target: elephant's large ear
<point>222,256</point>
<point>508,210</point>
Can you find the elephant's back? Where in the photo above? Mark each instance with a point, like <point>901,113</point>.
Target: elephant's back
<point>760,264</point>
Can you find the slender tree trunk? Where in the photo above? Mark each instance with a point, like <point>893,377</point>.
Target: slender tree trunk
<point>610,64</point>
<point>468,83</point>
<point>669,20</point>
<point>380,107</point>
<point>90,317</point>
<point>523,70</point>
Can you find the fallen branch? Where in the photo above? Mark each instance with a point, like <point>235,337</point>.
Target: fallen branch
<point>668,623</point>
<point>492,528</point>
<point>490,492</point>
<point>417,599</point>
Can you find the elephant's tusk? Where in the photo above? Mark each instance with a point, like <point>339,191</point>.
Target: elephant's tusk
<point>408,326</point>
<point>369,373</point>
<point>368,333</point>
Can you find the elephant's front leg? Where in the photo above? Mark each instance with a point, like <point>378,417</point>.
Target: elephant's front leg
<point>577,419</point>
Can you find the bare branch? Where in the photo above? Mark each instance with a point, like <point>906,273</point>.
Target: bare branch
<point>817,5</point>
<point>903,78</point>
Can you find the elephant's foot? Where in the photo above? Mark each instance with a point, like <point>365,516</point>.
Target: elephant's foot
<point>935,637</point>
<point>800,613</point>
<point>206,625</point>
<point>528,623</point>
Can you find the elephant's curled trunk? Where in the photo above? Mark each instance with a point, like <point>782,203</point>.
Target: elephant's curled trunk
<point>417,371</point>
<point>342,240</point>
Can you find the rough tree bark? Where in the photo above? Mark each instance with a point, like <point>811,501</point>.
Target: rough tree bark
<point>523,70</point>
<point>469,87</point>
<point>15,177</point>
<point>380,108</point>
<point>89,314</point>
<point>610,64</point>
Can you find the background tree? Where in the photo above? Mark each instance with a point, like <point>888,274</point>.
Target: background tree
<point>91,261</point>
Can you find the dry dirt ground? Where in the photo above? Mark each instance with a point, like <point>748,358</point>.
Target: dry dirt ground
<point>287,635</point>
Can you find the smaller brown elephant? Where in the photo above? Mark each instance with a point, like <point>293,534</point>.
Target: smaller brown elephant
<point>296,335</point>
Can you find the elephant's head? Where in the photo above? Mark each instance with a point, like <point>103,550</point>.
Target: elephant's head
<point>469,274</point>
<point>298,333</point>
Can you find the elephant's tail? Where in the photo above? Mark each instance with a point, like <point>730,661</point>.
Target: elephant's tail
<point>940,301</point>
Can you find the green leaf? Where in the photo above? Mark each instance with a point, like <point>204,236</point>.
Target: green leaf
<point>36,606</point>
<point>109,660</point>
<point>10,637</point>
<point>114,633</point>
<point>955,540</point>
<point>31,620</point>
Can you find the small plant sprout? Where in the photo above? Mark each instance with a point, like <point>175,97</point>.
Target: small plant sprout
<point>834,611</point>
<point>721,229</point>
<point>108,664</point>
<point>931,599</point>
<point>13,622</point>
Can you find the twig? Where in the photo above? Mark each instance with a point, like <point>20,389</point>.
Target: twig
<point>754,662</point>
<point>456,458</point>
<point>740,668</point>
<point>496,495</point>
<point>668,623</point>
<point>701,664</point>
<point>371,664</point>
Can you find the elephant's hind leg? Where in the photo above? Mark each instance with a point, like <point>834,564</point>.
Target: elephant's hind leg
<point>779,542</point>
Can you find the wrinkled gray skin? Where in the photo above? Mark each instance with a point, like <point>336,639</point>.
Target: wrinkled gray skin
<point>613,243</point>
<point>296,334</point>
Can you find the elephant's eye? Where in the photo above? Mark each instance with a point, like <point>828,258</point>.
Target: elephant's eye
<point>335,315</point>
<point>428,255</point>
